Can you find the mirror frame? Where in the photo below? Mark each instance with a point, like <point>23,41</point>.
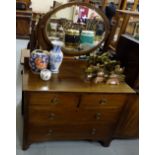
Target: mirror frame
<point>45,43</point>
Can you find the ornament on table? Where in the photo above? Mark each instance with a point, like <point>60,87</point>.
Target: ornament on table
<point>113,79</point>
<point>56,56</point>
<point>103,69</point>
<point>118,69</point>
<point>38,60</point>
<point>89,76</point>
<point>100,73</point>
<point>100,77</point>
<point>45,74</point>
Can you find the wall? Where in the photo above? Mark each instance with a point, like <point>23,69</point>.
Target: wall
<point>66,13</point>
<point>43,6</point>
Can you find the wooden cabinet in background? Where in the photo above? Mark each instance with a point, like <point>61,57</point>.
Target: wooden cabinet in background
<point>23,21</point>
<point>22,4</point>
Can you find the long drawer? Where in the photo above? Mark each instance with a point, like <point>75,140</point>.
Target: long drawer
<point>69,132</point>
<point>42,115</point>
<point>91,101</point>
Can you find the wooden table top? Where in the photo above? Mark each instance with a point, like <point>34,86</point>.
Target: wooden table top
<point>71,78</point>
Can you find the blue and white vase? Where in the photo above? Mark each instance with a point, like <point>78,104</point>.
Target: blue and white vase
<point>56,56</point>
<point>38,60</point>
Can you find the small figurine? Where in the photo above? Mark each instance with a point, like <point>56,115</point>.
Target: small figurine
<point>100,77</point>
<point>118,69</point>
<point>89,76</point>
<point>113,79</point>
<point>100,73</point>
<point>45,74</point>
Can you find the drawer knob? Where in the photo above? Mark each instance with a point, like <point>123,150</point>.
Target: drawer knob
<point>103,101</point>
<point>51,116</point>
<point>50,132</point>
<point>55,101</point>
<point>98,116</point>
<point>93,132</point>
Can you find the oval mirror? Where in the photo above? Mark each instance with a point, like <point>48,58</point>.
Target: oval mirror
<point>80,26</point>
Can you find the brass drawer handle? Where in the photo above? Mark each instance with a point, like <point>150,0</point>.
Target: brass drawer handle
<point>50,132</point>
<point>55,101</point>
<point>51,116</point>
<point>98,116</point>
<point>103,101</point>
<point>93,132</point>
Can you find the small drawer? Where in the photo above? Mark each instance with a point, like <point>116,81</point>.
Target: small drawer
<point>54,100</point>
<point>69,132</point>
<point>91,101</point>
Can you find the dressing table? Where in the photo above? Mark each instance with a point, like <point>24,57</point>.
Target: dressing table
<point>67,107</point>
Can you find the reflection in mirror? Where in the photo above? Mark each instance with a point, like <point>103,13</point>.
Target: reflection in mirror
<point>78,27</point>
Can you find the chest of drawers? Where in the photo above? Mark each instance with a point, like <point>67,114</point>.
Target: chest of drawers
<point>68,108</point>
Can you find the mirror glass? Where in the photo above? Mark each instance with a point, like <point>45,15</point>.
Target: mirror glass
<point>79,28</point>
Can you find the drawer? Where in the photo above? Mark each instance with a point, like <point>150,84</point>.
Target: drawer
<point>102,116</point>
<point>45,116</point>
<point>91,101</point>
<point>69,132</point>
<point>53,100</point>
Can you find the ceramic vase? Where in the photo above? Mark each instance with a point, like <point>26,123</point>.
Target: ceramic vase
<point>38,60</point>
<point>56,57</point>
